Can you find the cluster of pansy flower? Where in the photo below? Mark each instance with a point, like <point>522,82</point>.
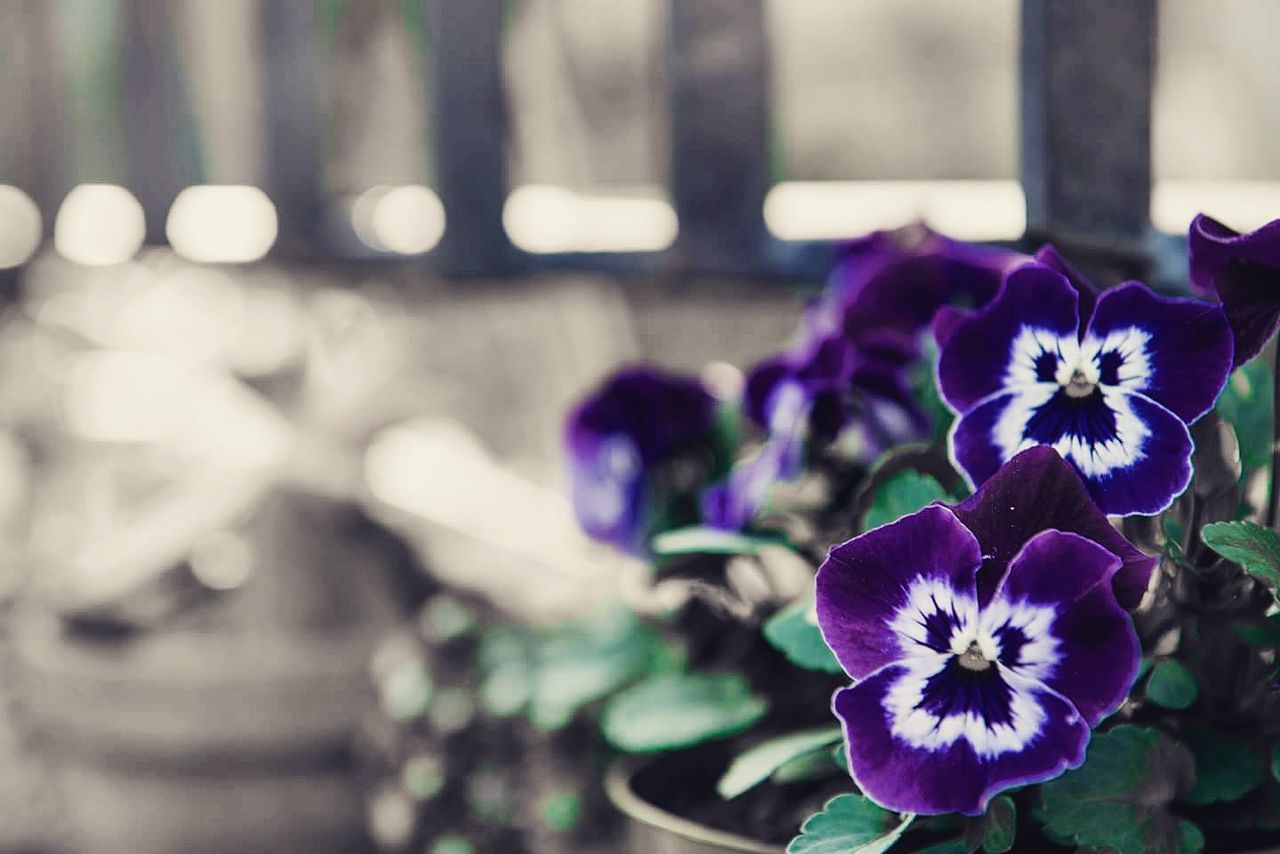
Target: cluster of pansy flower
<point>844,377</point>
<point>986,638</point>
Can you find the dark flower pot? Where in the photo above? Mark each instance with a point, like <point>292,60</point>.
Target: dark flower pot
<point>650,829</point>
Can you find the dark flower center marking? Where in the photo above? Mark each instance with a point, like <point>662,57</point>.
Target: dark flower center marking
<point>1068,413</point>
<point>973,659</point>
<point>958,689</point>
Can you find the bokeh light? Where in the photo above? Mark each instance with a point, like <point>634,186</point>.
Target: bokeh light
<point>543,218</point>
<point>222,224</point>
<point>20,226</point>
<point>408,219</point>
<point>99,225</point>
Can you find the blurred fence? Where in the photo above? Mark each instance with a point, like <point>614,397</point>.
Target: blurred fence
<point>1086,90</point>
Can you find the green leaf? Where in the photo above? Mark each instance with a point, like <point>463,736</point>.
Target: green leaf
<point>924,384</point>
<point>807,766</point>
<point>1119,798</point>
<point>670,711</point>
<point>1190,838</point>
<point>1260,633</point>
<point>701,540</point>
<point>999,826</point>
<point>950,846</point>
<point>1173,538</point>
<point>587,659</point>
<point>848,824</point>
<point>1225,768</point>
<point>755,765</point>
<point>1172,685</point>
<point>905,492</point>
<point>794,632</point>
<point>1246,404</point>
<point>1255,548</point>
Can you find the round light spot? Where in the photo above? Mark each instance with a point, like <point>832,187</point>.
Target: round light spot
<point>222,224</point>
<point>20,226</point>
<point>99,225</point>
<point>407,219</point>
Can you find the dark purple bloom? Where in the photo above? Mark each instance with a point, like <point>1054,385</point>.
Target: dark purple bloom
<point>964,689</point>
<point>1244,271</point>
<point>888,285</point>
<point>733,502</point>
<point>848,369</point>
<point>1111,381</point>
<point>618,437</point>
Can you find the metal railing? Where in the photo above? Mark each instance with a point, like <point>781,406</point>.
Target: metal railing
<point>1086,73</point>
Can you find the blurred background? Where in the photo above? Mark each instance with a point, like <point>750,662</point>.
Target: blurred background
<point>296,292</point>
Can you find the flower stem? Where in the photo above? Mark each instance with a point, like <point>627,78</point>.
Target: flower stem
<point>1273,493</point>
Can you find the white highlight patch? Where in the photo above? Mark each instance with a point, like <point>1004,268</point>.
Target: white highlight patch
<point>904,699</point>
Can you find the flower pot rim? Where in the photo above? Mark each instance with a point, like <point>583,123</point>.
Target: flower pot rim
<point>617,786</point>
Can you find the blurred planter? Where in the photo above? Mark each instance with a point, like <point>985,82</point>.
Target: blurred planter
<point>637,785</point>
<point>222,726</point>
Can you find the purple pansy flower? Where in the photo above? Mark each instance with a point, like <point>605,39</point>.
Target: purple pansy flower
<point>618,437</point>
<point>975,673</point>
<point>887,286</point>
<point>797,396</point>
<point>1244,271</point>
<point>847,371</point>
<point>1111,381</point>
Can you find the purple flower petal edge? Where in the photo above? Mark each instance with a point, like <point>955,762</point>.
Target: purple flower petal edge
<point>1243,270</point>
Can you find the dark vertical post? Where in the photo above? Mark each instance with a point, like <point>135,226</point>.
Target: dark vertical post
<point>469,134</point>
<point>1087,68</point>
<point>157,121</point>
<point>718,85</point>
<point>294,128</point>
<point>32,52</point>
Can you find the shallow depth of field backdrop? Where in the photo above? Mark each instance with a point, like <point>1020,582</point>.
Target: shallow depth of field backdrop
<point>241,319</point>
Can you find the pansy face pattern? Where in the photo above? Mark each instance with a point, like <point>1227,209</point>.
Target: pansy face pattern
<point>958,694</point>
<point>1111,382</point>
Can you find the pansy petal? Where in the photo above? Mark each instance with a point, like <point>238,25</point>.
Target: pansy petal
<point>662,413</point>
<point>1086,290</point>
<point>1059,623</point>
<point>1160,472</point>
<point>864,582</point>
<point>973,441</point>
<point>947,321</point>
<point>608,493</point>
<point>905,765</point>
<point>762,380</point>
<point>733,502</point>
<point>1175,351</point>
<point>1133,454</point>
<point>1244,271</point>
<point>1036,491</point>
<point>1034,301</point>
